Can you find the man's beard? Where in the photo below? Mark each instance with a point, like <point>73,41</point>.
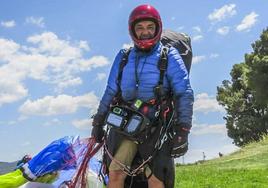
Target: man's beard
<point>146,37</point>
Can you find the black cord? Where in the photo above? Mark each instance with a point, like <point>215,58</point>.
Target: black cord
<point>131,182</point>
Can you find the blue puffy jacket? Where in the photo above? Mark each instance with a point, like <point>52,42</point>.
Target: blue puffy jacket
<point>176,79</point>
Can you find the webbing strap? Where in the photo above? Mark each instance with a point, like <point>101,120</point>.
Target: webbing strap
<point>121,67</point>
<point>162,65</point>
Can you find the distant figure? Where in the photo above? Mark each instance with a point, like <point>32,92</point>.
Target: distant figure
<point>220,154</point>
<point>204,156</point>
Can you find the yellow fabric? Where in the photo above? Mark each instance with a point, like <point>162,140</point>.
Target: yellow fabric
<point>48,178</point>
<point>13,179</point>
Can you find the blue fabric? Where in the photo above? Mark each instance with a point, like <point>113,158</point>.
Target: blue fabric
<point>176,79</point>
<point>58,155</point>
<point>67,175</point>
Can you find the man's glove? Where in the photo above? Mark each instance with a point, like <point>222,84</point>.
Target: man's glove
<point>180,140</point>
<point>97,131</point>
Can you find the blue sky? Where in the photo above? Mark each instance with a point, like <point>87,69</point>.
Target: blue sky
<point>55,58</point>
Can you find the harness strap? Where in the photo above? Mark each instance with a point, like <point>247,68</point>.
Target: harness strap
<point>121,67</point>
<point>163,136</point>
<point>124,167</point>
<point>162,65</point>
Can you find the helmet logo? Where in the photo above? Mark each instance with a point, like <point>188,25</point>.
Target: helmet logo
<point>144,12</point>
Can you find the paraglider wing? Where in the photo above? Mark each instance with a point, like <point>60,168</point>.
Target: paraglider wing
<point>56,156</point>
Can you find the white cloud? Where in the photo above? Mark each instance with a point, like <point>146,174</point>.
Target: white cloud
<point>10,90</point>
<point>69,82</point>
<point>223,30</point>
<point>197,38</point>
<point>208,129</point>
<point>8,49</point>
<point>22,118</point>
<point>45,58</point>
<point>61,104</point>
<point>26,143</point>
<point>94,62</point>
<point>101,76</point>
<point>84,45</point>
<point>8,24</point>
<point>213,55</point>
<point>49,44</point>
<point>197,28</point>
<point>11,122</point>
<point>222,13</point>
<point>53,122</point>
<point>83,124</point>
<point>126,46</point>
<point>198,59</point>
<point>38,21</point>
<point>173,18</point>
<point>247,22</point>
<point>205,103</point>
<point>180,28</point>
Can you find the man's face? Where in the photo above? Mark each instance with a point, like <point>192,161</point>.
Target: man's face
<point>145,29</point>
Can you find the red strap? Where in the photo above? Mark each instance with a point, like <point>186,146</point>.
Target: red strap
<point>165,112</point>
<point>93,148</point>
<point>152,101</point>
<point>185,129</point>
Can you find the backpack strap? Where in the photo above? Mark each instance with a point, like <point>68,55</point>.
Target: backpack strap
<point>123,63</point>
<point>162,65</point>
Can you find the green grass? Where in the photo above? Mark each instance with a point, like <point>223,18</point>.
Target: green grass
<point>246,168</point>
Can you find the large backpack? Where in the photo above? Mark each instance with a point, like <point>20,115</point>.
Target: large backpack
<point>181,42</point>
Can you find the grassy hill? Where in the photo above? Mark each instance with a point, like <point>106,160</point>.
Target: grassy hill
<point>246,168</point>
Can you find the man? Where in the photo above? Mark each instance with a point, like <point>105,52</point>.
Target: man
<point>139,78</point>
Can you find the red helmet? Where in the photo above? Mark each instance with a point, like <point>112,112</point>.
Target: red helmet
<point>144,12</point>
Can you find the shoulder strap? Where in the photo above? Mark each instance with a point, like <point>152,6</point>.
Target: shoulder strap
<point>162,64</point>
<point>123,63</point>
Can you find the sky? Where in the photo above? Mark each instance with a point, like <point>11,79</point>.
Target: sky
<point>55,58</point>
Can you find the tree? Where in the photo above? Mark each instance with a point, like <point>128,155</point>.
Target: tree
<point>245,97</point>
<point>258,75</point>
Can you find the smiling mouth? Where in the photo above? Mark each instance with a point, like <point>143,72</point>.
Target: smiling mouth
<point>145,37</point>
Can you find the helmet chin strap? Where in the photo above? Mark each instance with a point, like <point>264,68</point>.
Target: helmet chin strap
<point>147,50</point>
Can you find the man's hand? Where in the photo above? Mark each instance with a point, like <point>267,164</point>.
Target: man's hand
<point>180,140</point>
<point>97,131</point>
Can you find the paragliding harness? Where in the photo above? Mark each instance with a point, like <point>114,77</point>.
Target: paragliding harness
<point>128,118</point>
